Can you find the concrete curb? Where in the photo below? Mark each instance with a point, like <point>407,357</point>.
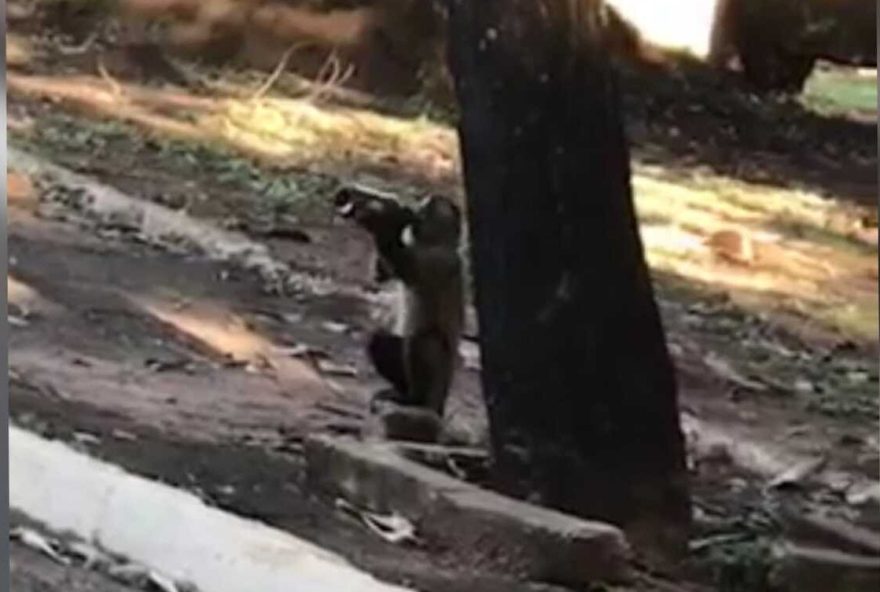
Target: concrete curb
<point>167,529</point>
<point>470,526</point>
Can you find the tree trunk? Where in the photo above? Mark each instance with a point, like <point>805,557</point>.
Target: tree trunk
<point>577,378</point>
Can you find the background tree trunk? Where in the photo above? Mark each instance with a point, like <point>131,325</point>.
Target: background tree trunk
<point>578,381</point>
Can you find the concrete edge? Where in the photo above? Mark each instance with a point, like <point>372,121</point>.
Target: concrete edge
<point>467,524</point>
<point>167,529</point>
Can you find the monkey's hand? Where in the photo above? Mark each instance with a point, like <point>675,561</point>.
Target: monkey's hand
<point>346,202</point>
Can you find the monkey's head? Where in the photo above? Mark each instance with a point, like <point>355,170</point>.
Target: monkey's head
<point>376,212</point>
<point>438,222</point>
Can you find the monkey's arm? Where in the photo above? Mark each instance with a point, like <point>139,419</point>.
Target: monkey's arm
<point>399,260</point>
<point>381,271</point>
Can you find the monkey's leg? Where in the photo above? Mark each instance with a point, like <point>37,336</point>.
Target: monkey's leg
<point>386,352</point>
<point>430,365</point>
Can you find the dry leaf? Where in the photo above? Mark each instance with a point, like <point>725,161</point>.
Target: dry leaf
<point>393,527</point>
<point>732,245</point>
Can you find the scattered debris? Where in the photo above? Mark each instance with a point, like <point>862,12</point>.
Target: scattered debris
<point>797,474</point>
<point>36,541</point>
<point>16,321</point>
<point>860,496</point>
<point>723,368</point>
<point>86,438</point>
<point>334,369</point>
<point>91,556</point>
<point>335,327</point>
<point>163,583</point>
<point>698,545</point>
<point>167,365</point>
<point>123,435</point>
<point>393,527</point>
<point>302,350</point>
<point>130,573</point>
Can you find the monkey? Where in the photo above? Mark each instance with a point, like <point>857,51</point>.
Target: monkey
<point>419,247</point>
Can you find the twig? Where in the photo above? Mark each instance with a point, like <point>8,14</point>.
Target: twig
<point>333,80</point>
<point>282,64</point>
<point>82,47</point>
<point>115,87</point>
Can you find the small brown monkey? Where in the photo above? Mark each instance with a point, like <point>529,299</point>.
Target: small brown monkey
<point>419,247</point>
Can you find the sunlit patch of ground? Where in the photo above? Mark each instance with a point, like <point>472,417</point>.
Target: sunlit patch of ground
<point>27,301</point>
<point>793,252</point>
<point>228,335</point>
<point>18,50</point>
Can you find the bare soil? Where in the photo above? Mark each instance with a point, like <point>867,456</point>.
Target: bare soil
<point>178,367</point>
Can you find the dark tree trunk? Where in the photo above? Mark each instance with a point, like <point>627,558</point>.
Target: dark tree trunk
<point>577,378</point>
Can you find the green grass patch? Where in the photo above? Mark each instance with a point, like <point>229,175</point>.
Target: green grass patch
<point>838,92</point>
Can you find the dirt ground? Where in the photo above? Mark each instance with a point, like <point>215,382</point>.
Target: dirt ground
<point>196,372</point>
<point>32,572</point>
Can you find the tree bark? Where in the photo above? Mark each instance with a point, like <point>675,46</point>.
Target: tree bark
<point>577,378</point>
